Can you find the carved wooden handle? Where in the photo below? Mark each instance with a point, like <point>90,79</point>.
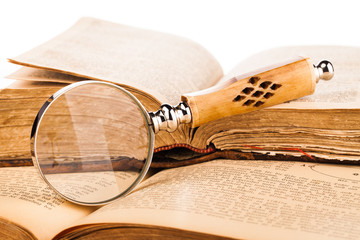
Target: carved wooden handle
<point>263,88</point>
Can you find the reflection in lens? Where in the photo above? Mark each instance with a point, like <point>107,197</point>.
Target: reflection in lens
<point>93,142</point>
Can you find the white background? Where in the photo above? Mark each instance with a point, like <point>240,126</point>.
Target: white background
<point>230,30</point>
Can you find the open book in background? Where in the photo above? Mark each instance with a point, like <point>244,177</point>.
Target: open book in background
<point>220,199</point>
<point>158,68</point>
<point>215,200</point>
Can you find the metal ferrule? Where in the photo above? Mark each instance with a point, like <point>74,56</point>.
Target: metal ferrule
<point>169,118</point>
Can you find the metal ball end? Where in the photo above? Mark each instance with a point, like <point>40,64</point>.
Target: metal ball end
<point>324,70</point>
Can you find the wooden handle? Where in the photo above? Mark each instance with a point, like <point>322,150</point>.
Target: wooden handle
<point>253,91</point>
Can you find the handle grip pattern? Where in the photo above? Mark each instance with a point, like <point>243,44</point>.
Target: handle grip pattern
<point>263,88</point>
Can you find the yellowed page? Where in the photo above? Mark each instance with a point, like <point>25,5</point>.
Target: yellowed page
<point>247,200</point>
<point>36,74</point>
<point>161,64</point>
<point>19,84</point>
<point>26,200</point>
<point>323,125</point>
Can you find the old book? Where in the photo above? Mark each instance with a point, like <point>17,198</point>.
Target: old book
<point>220,199</point>
<point>158,68</point>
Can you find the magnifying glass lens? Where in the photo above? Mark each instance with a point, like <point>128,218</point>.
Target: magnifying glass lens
<point>93,142</point>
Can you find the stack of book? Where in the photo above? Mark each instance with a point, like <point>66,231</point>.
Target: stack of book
<point>293,189</point>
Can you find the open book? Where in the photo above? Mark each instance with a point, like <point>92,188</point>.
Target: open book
<point>157,68</point>
<point>219,199</point>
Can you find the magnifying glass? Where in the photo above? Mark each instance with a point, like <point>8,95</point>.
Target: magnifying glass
<point>93,141</point>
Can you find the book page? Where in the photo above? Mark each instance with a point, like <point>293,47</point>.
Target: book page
<point>26,200</point>
<point>342,91</point>
<point>247,200</point>
<point>320,127</point>
<point>161,64</point>
<point>19,84</point>
<point>41,75</point>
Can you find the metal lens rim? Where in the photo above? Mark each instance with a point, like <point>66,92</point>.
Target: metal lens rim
<point>45,107</point>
